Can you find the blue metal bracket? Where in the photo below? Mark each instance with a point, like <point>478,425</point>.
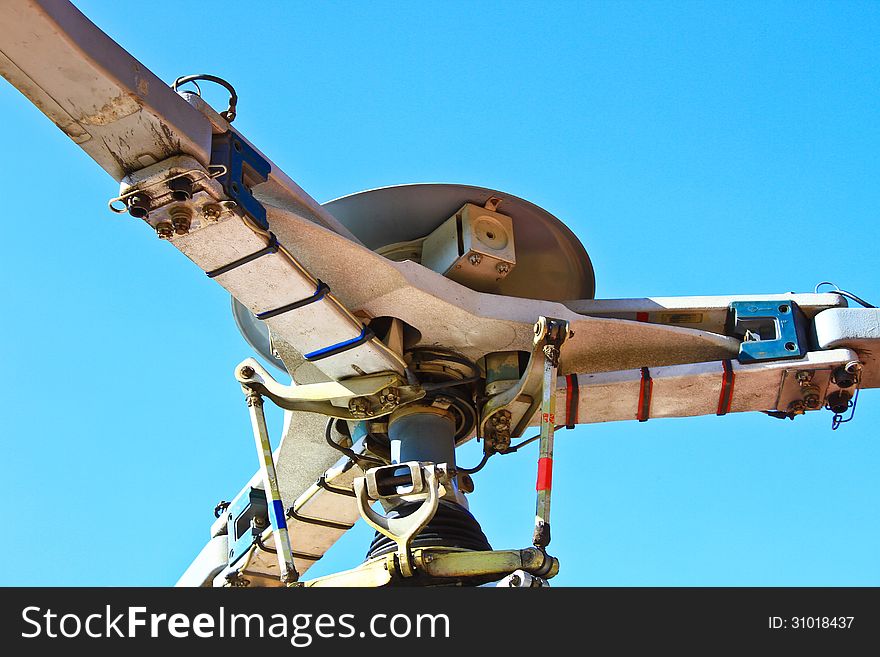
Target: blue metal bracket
<point>249,504</point>
<point>770,330</point>
<point>244,168</point>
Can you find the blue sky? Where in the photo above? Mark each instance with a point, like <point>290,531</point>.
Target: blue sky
<point>695,148</point>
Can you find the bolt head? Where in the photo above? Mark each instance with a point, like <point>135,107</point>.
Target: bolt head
<point>475,259</point>
<point>212,212</point>
<point>502,268</point>
<point>164,230</point>
<point>246,372</point>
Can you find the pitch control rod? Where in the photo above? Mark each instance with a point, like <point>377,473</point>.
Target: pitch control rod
<point>553,333</point>
<point>277,517</point>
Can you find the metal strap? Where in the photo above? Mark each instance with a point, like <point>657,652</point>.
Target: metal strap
<point>332,524</point>
<point>365,335</point>
<point>322,483</point>
<point>322,291</point>
<point>271,247</point>
<point>645,388</point>
<point>726,395</point>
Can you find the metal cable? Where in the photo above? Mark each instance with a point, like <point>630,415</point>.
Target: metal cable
<point>844,293</point>
<point>229,114</point>
<point>350,453</point>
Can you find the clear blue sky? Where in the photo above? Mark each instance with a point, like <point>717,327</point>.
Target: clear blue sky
<point>695,148</point>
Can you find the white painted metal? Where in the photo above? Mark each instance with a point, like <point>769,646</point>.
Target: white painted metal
<point>127,119</point>
<point>106,101</point>
<point>857,329</point>
<point>693,389</point>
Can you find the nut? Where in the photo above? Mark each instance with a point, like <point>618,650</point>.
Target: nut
<point>502,268</point>
<point>246,372</point>
<point>212,212</point>
<point>389,397</point>
<point>181,219</point>
<point>475,259</point>
<point>164,230</point>
<point>797,407</point>
<point>358,407</point>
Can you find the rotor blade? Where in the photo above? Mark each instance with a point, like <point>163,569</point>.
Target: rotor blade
<point>111,105</point>
<point>697,389</point>
<point>106,101</point>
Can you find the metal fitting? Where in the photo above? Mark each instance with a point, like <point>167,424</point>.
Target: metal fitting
<point>838,401</point>
<point>181,219</point>
<point>389,397</point>
<point>797,407</point>
<point>139,205</point>
<point>212,212</point>
<point>358,407</point>
<point>181,189</point>
<point>502,268</point>
<point>846,376</point>
<point>475,259</point>
<point>164,230</point>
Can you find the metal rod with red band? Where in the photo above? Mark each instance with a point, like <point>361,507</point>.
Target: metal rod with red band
<point>572,399</point>
<point>545,474</point>
<point>646,386</point>
<point>726,396</point>
<point>543,486</point>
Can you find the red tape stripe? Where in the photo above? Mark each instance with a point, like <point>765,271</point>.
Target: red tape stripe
<point>726,396</point>
<point>645,388</point>
<point>545,474</point>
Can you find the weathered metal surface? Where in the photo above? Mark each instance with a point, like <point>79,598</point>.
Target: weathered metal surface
<point>106,101</point>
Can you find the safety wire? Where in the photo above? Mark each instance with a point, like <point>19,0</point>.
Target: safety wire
<point>510,450</point>
<point>844,293</point>
<point>350,453</point>
<point>314,281</point>
<point>838,419</point>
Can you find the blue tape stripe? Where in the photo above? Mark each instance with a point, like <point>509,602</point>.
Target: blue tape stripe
<point>337,347</point>
<point>279,520</point>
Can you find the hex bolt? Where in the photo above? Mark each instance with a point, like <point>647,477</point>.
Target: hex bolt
<point>358,407</point>
<point>181,219</point>
<point>797,407</point>
<point>138,205</point>
<point>389,397</point>
<point>164,230</point>
<point>812,402</point>
<point>475,259</point>
<point>246,372</point>
<point>502,268</point>
<point>212,212</point>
